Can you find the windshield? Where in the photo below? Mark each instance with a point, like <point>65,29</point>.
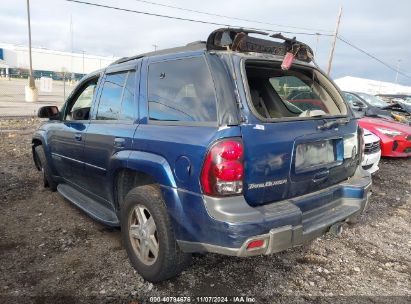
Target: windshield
<point>353,100</point>
<point>373,100</point>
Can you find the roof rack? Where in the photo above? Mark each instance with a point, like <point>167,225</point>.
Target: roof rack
<point>238,40</point>
<point>192,46</point>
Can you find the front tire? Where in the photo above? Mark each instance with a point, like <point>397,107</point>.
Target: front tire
<point>148,235</point>
<point>45,169</point>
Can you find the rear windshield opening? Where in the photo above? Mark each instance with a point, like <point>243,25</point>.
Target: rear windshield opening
<point>299,92</point>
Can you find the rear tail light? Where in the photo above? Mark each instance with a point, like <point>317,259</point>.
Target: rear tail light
<point>223,168</point>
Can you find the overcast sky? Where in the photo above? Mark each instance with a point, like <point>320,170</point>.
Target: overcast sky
<point>380,27</point>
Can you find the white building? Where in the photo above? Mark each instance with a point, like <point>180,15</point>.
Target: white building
<point>356,84</point>
<point>17,57</point>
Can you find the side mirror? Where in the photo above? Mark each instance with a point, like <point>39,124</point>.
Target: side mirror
<point>51,112</point>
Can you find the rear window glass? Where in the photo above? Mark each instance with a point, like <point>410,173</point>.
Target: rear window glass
<point>295,93</point>
<point>181,90</point>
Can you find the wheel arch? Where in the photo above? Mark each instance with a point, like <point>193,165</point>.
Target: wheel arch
<point>35,142</point>
<point>141,168</point>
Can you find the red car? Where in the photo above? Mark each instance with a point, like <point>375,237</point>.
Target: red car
<point>395,137</point>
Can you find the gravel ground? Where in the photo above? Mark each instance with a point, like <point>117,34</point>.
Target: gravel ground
<point>51,251</point>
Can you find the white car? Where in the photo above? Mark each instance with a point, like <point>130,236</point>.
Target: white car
<point>372,152</point>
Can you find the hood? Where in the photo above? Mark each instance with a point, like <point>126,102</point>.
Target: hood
<point>372,123</point>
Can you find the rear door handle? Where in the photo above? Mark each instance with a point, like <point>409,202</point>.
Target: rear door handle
<point>77,136</point>
<point>119,142</point>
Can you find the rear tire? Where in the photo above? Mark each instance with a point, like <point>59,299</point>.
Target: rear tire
<point>148,235</point>
<point>48,181</point>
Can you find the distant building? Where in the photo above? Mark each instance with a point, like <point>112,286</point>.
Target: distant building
<point>14,62</point>
<point>374,87</point>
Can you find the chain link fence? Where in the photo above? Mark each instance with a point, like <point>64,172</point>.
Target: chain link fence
<point>12,93</point>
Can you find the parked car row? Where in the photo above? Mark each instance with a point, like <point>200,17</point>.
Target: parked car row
<point>372,151</point>
<point>395,138</point>
<point>238,146</point>
<point>379,118</point>
<point>372,106</point>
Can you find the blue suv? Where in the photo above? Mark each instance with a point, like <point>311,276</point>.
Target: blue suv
<point>238,146</point>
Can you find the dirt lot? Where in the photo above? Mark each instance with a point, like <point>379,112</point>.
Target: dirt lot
<point>50,249</point>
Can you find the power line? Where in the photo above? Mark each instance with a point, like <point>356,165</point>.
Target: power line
<point>372,56</point>
<point>230,17</point>
<point>188,19</point>
<point>146,13</point>
<point>228,25</point>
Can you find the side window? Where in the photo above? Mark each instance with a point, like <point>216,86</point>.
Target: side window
<point>79,109</point>
<point>117,97</point>
<point>110,100</point>
<point>128,107</point>
<point>181,90</point>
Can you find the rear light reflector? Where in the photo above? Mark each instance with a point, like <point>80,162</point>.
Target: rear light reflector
<point>223,168</point>
<point>255,244</point>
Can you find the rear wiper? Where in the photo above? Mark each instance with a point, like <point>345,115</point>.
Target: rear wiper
<point>331,124</point>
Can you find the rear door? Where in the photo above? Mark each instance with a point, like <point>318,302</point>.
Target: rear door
<point>111,128</point>
<point>295,144</point>
<point>178,114</point>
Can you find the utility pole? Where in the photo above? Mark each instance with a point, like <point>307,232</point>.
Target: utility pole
<point>155,47</point>
<point>398,70</point>
<point>83,62</point>
<point>330,58</point>
<point>31,93</point>
<point>71,45</point>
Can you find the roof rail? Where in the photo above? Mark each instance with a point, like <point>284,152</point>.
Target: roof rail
<point>192,46</point>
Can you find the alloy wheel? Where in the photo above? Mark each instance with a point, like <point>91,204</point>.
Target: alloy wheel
<point>143,235</point>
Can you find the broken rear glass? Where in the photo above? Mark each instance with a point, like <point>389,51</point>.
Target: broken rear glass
<point>299,92</point>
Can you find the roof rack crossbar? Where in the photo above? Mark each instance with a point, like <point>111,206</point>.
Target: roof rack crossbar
<point>193,46</point>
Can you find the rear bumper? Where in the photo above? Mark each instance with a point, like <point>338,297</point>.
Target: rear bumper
<point>284,224</point>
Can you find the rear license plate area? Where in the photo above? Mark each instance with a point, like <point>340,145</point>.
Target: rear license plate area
<point>314,155</point>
